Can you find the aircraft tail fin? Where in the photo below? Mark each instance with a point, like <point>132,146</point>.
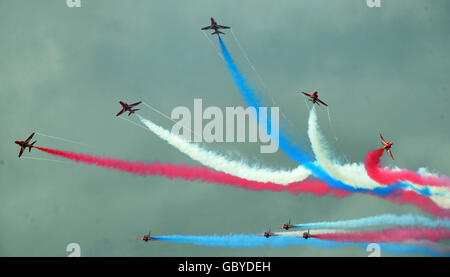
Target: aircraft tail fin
<point>31,145</point>
<point>132,111</point>
<point>216,32</point>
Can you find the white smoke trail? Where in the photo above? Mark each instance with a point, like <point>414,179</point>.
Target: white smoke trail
<point>221,163</point>
<point>383,219</point>
<point>351,174</point>
<point>443,201</point>
<point>354,174</point>
<point>299,233</point>
<point>166,116</point>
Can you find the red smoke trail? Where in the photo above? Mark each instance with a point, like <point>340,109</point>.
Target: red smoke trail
<point>207,175</point>
<point>191,173</point>
<point>386,176</point>
<point>423,202</point>
<point>388,235</point>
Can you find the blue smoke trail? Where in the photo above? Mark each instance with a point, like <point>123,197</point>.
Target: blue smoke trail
<point>385,219</point>
<point>252,241</point>
<point>399,249</point>
<point>294,152</point>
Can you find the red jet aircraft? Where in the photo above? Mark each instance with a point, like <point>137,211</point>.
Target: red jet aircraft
<point>126,107</point>
<point>215,27</point>
<point>306,235</point>
<point>146,237</point>
<point>287,226</point>
<point>386,146</point>
<point>314,98</point>
<point>268,234</point>
<point>24,144</point>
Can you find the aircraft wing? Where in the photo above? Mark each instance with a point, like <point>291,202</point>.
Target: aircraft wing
<point>222,27</point>
<point>121,112</point>
<point>135,104</point>
<point>382,139</point>
<point>306,94</point>
<point>390,153</point>
<point>29,138</point>
<point>207,27</point>
<point>322,102</point>
<point>21,151</point>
